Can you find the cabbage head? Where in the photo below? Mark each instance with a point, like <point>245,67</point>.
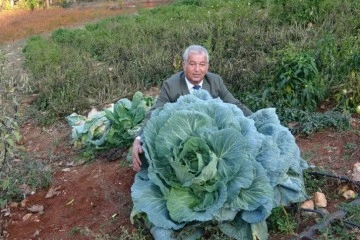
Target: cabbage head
<point>208,164</point>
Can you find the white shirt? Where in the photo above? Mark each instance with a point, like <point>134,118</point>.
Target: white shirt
<point>190,85</point>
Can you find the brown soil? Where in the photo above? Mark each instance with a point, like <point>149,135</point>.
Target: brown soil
<point>92,200</point>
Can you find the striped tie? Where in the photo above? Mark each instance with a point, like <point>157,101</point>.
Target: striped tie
<point>196,87</point>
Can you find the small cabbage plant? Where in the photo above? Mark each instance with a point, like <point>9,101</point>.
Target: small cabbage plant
<point>208,164</point>
<point>115,126</point>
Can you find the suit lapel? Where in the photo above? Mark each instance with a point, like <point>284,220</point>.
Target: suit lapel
<point>183,86</point>
<point>206,85</point>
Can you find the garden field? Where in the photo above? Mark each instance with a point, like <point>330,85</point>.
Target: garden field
<point>91,199</point>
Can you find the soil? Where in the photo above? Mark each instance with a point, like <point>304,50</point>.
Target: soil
<point>92,200</point>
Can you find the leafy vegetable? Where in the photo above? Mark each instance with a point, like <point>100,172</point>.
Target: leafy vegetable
<point>116,126</point>
<point>126,119</point>
<point>209,164</point>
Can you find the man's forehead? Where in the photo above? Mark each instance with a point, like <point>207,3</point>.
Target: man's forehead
<point>197,57</point>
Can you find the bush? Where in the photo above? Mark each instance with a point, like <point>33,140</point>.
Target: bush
<point>296,82</point>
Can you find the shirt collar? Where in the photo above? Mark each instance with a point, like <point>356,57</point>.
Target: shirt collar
<point>190,85</point>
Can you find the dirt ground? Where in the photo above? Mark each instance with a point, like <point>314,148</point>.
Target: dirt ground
<point>92,200</point>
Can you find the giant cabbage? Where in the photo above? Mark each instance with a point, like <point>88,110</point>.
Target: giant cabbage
<point>209,164</point>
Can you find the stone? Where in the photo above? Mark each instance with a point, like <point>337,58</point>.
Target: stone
<point>320,200</point>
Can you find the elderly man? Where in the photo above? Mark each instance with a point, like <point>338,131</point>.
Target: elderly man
<point>194,76</point>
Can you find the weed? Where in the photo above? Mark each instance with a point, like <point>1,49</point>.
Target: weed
<point>296,82</point>
<point>350,146</point>
<point>75,230</point>
<point>312,153</point>
<point>352,212</point>
<point>125,234</point>
<point>281,220</point>
<point>31,172</point>
<point>337,230</point>
<point>309,122</point>
<point>313,184</point>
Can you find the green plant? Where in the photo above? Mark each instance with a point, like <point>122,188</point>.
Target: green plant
<point>292,11</point>
<point>309,122</point>
<point>349,96</point>
<point>352,210</point>
<point>9,135</point>
<point>65,3</point>
<point>30,172</point>
<point>125,234</point>
<point>313,184</point>
<point>351,146</point>
<point>127,119</point>
<point>203,167</point>
<point>114,127</point>
<point>9,129</point>
<point>296,82</point>
<point>281,221</point>
<point>326,54</point>
<point>338,230</point>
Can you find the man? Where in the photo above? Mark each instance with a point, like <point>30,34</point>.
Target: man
<point>195,75</point>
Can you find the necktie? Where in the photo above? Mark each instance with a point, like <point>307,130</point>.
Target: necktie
<point>196,87</point>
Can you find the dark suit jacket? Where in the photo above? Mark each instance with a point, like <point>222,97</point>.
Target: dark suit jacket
<point>176,86</point>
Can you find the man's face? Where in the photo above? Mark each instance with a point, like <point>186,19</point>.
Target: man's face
<point>195,67</point>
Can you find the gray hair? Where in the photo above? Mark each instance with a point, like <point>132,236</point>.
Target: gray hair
<point>195,49</point>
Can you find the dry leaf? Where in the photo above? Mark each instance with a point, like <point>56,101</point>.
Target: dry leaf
<point>70,202</point>
<point>53,191</point>
<point>36,209</point>
<point>14,204</point>
<point>23,203</point>
<point>26,216</point>
<point>356,172</point>
<point>36,233</point>
<point>72,164</point>
<point>25,189</point>
<point>6,212</point>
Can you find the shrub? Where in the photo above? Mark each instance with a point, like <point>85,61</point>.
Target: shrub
<point>296,82</point>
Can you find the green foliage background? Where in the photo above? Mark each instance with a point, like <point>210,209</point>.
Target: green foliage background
<point>283,54</point>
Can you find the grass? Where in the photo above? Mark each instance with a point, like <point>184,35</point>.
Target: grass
<point>137,52</point>
<point>125,234</point>
<point>27,172</point>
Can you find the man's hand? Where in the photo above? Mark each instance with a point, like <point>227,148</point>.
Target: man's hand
<point>136,151</point>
